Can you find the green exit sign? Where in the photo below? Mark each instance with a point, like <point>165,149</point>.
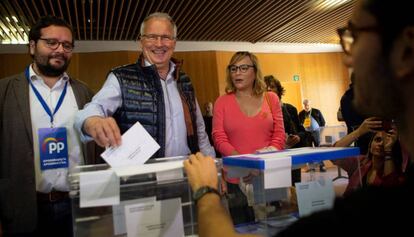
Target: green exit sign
<point>295,77</point>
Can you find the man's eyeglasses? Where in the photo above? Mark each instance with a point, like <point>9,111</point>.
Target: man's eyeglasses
<point>349,34</point>
<point>243,68</point>
<point>54,44</point>
<point>153,38</point>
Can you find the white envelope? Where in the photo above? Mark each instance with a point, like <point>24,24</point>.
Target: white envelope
<point>137,147</point>
<point>314,196</point>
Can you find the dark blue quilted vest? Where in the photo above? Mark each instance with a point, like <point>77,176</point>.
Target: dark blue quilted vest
<point>143,101</point>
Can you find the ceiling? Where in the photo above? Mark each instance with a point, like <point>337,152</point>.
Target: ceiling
<point>276,21</point>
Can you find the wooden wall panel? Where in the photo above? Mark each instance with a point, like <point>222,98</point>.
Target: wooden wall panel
<point>322,77</point>
<point>223,59</point>
<point>293,94</point>
<point>202,69</point>
<point>11,64</point>
<point>133,56</point>
<point>93,68</point>
<point>284,67</point>
<point>324,80</point>
<point>281,66</point>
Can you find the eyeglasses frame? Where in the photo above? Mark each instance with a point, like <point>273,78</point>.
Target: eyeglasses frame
<point>353,30</point>
<point>238,68</point>
<point>64,44</point>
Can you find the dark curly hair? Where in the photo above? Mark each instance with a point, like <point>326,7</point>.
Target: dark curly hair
<point>274,85</point>
<point>396,152</point>
<point>46,21</point>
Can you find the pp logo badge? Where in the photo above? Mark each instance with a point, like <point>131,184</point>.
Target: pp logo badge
<point>53,148</point>
<point>53,145</point>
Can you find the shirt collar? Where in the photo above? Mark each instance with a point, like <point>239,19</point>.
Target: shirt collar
<point>34,76</point>
<point>172,65</point>
<point>170,72</point>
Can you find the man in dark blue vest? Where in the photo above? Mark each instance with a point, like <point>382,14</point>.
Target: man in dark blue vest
<point>153,91</point>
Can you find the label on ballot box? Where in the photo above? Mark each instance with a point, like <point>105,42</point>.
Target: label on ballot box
<point>314,196</point>
<point>159,218</point>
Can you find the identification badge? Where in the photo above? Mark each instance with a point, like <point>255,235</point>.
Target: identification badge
<point>53,148</point>
<point>307,122</point>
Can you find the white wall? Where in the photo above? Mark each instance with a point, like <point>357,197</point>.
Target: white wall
<point>103,46</point>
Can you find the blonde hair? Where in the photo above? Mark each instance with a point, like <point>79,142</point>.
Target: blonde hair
<point>259,86</point>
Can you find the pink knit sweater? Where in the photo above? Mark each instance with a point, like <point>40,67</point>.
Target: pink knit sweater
<point>233,130</point>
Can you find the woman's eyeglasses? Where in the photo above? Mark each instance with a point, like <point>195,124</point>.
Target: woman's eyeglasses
<point>243,68</point>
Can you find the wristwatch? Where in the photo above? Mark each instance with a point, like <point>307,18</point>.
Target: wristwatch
<point>199,193</point>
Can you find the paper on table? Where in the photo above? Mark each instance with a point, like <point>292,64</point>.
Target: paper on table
<point>160,218</point>
<point>137,147</point>
<point>278,173</point>
<point>118,213</point>
<point>98,188</point>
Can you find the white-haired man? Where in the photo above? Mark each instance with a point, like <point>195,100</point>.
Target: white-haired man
<point>153,91</point>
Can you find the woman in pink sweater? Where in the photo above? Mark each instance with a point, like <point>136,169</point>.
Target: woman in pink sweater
<point>245,120</point>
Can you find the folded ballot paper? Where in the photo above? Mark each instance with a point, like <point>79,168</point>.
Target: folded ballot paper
<point>136,148</point>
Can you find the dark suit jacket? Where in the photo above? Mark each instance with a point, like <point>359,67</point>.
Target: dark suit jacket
<point>316,114</point>
<point>18,203</point>
<point>293,126</point>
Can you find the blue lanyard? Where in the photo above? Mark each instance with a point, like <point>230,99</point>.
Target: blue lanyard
<point>42,101</point>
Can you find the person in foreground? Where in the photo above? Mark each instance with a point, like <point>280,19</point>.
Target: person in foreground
<point>202,172</point>
<point>380,48</point>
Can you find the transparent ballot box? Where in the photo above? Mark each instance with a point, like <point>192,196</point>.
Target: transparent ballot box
<point>149,200</point>
<point>328,135</point>
<point>265,180</point>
